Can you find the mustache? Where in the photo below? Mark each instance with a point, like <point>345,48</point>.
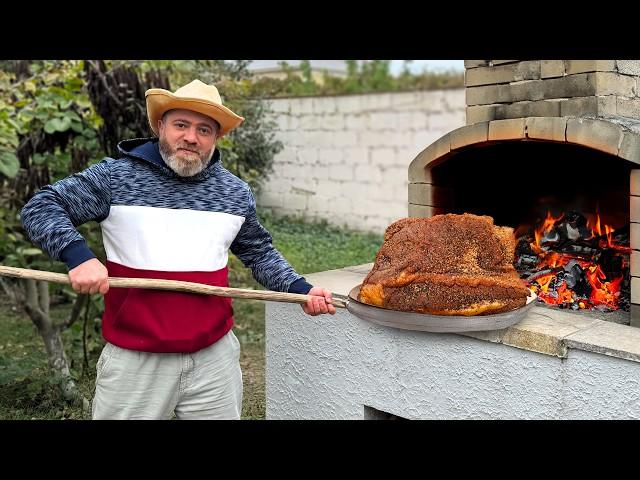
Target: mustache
<point>185,147</point>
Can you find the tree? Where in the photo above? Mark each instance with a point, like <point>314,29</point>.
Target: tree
<point>51,126</point>
<point>368,77</point>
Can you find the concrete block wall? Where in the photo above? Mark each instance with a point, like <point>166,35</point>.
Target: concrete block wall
<point>500,89</point>
<point>345,158</point>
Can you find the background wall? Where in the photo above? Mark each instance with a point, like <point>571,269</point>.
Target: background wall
<point>345,158</point>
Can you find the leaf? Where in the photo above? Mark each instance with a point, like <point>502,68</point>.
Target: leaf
<point>25,115</point>
<point>83,102</point>
<point>30,251</point>
<point>60,124</point>
<point>50,126</point>
<point>74,83</point>
<point>38,158</point>
<point>60,93</point>
<point>77,127</point>
<point>42,115</point>
<point>29,86</point>
<point>9,164</point>
<point>88,133</point>
<point>51,77</point>
<point>74,116</point>
<point>13,123</point>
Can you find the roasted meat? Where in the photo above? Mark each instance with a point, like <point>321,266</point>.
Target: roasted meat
<point>445,265</point>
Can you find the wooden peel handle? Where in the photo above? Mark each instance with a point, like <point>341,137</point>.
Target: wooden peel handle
<point>174,285</point>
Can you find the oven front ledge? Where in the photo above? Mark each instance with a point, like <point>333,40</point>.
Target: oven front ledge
<point>546,331</point>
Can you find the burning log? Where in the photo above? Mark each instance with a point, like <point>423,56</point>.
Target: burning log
<point>525,256</point>
<point>574,262</point>
<point>575,278</point>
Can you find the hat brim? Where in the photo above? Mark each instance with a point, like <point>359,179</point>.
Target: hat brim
<point>159,101</point>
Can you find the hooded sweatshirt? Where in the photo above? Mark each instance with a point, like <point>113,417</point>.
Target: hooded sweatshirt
<point>157,224</point>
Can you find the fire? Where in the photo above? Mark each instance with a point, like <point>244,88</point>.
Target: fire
<point>546,227</point>
<point>606,293</point>
<point>564,262</point>
<point>605,234</point>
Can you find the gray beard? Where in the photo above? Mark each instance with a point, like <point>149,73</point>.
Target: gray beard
<point>180,166</point>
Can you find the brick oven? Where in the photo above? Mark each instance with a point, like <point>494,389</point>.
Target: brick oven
<point>545,138</point>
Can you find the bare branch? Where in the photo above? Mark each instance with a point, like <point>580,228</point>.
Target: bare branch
<point>105,84</point>
<point>85,365</point>
<point>78,304</point>
<point>32,307</point>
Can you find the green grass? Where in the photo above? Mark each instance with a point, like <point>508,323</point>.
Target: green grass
<point>27,390</point>
<point>316,247</point>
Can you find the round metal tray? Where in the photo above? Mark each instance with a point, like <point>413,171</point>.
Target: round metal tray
<point>436,323</point>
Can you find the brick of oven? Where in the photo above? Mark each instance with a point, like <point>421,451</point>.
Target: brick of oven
<point>595,103</point>
<point>551,88</point>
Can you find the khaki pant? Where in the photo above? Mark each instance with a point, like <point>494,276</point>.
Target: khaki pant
<point>206,384</point>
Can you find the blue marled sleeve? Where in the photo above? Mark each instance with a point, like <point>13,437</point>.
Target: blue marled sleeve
<point>253,247</point>
<point>51,216</point>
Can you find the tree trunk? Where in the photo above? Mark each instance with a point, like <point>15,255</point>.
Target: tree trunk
<point>37,307</point>
<point>43,297</point>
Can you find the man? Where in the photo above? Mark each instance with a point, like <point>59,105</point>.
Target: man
<point>168,209</point>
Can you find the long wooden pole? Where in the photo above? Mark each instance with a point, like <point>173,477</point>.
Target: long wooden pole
<point>174,285</point>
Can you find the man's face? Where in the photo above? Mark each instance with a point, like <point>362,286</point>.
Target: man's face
<point>187,141</point>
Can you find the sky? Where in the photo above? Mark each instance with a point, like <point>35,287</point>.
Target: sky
<point>417,66</point>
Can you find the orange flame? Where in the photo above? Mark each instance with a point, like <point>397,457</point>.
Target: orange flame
<point>606,293</point>
<point>602,292</point>
<point>546,227</point>
<point>598,229</point>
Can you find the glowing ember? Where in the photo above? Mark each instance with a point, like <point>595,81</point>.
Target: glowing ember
<point>576,262</point>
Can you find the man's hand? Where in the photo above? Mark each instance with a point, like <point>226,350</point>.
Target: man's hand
<point>320,303</point>
<point>90,277</point>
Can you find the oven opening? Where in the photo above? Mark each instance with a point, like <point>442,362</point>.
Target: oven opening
<point>568,206</point>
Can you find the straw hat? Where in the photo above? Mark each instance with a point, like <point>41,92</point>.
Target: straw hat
<point>196,96</point>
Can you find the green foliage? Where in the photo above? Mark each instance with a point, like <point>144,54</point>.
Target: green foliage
<point>182,72</point>
<point>316,247</point>
<point>47,131</point>
<point>373,76</point>
<point>249,150</point>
